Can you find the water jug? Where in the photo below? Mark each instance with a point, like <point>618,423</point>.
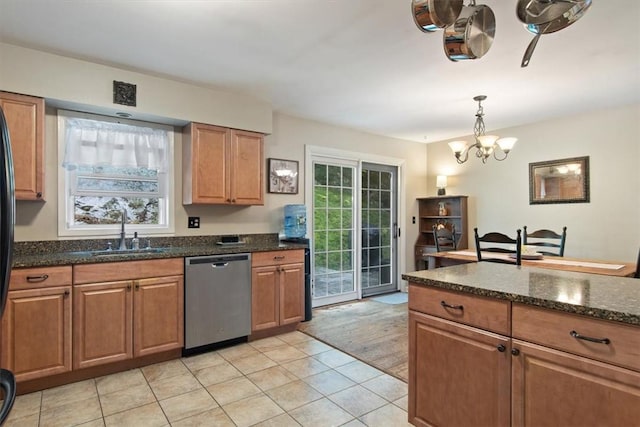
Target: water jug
<point>295,221</point>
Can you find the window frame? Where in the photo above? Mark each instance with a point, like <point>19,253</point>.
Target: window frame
<point>66,202</point>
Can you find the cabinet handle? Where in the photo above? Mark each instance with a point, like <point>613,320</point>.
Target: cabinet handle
<point>278,258</point>
<point>233,200</point>
<point>596,340</point>
<point>501,348</point>
<point>515,351</point>
<point>34,279</point>
<point>129,287</point>
<point>66,293</point>
<point>39,195</point>
<point>454,307</point>
<point>137,286</point>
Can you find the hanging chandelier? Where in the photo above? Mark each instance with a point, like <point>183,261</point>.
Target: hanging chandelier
<point>485,145</point>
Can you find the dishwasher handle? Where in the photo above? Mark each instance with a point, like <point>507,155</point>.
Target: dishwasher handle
<point>219,264</point>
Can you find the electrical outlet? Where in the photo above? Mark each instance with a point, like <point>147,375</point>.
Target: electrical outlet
<point>194,222</point>
<point>413,220</point>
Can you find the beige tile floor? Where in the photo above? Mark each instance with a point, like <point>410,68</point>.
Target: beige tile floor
<point>288,380</point>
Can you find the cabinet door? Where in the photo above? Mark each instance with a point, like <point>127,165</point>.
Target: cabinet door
<point>205,164</point>
<point>102,323</point>
<point>36,332</point>
<point>264,298</point>
<point>158,315</point>
<point>25,119</point>
<point>291,293</point>
<point>554,388</point>
<point>458,376</point>
<point>246,180</point>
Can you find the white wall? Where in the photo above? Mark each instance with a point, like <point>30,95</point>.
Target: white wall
<point>607,228</point>
<point>85,86</point>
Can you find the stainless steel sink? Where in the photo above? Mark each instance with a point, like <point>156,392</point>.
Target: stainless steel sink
<point>121,252</point>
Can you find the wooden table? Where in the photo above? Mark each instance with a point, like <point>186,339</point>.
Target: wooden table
<point>609,268</point>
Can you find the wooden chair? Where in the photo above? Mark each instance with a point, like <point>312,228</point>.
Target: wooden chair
<point>544,238</point>
<point>445,239</point>
<point>499,238</point>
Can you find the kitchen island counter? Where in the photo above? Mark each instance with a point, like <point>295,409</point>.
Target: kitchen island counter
<point>603,297</point>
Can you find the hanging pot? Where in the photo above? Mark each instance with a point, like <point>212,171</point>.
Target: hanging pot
<point>543,11</point>
<point>561,18</point>
<point>471,35</point>
<point>431,15</point>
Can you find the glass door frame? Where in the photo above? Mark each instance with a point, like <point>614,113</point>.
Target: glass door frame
<point>313,152</point>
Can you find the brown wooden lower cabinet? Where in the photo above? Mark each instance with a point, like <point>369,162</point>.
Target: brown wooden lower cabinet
<point>555,388</point>
<point>158,315</point>
<point>102,327</point>
<point>458,375</point>
<point>36,332</point>
<point>461,375</point>
<point>277,289</point>
<point>36,324</point>
<point>116,321</point>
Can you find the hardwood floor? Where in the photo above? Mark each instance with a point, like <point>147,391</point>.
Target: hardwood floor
<point>371,331</point>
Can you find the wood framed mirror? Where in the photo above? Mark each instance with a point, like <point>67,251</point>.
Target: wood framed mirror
<point>559,181</point>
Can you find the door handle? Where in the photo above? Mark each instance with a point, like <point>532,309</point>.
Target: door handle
<point>396,230</point>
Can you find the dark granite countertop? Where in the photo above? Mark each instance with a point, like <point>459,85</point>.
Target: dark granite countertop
<point>69,252</point>
<point>599,296</point>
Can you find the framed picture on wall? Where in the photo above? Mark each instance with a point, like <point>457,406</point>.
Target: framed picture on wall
<point>283,176</point>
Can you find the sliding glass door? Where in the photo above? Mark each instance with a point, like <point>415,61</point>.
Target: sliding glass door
<point>354,233</point>
<point>379,228</point>
<point>333,242</point>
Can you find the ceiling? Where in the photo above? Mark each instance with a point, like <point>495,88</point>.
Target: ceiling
<point>361,64</point>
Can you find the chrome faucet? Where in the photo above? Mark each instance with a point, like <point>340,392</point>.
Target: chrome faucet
<point>123,241</point>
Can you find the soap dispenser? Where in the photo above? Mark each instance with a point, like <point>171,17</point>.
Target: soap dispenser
<point>135,242</point>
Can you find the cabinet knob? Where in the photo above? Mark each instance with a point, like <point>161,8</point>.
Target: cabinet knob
<point>515,351</point>
<point>66,293</point>
<point>501,348</point>
<point>39,195</point>
<point>129,287</point>
<point>233,200</point>
<point>137,286</point>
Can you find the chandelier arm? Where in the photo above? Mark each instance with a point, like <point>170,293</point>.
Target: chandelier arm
<point>496,157</point>
<point>464,156</point>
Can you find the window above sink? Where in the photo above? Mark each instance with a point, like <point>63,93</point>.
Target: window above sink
<point>109,165</point>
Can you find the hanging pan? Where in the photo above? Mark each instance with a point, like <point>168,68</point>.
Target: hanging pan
<point>471,35</point>
<point>559,14</point>
<point>431,15</point>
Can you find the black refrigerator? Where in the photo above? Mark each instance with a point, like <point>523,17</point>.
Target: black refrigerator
<point>7,220</point>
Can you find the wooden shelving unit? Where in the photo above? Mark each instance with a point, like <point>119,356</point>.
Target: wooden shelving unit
<point>429,215</point>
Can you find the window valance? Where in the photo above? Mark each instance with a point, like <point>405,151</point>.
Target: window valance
<point>92,143</point>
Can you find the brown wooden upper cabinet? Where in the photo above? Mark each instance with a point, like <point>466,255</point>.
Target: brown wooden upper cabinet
<point>222,166</point>
<point>25,119</point>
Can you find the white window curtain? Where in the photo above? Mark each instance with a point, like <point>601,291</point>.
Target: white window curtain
<point>92,143</point>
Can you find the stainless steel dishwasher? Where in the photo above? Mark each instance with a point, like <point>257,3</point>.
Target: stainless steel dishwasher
<point>217,300</point>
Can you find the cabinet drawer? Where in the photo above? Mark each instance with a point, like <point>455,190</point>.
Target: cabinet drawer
<point>42,277</point>
<point>127,270</point>
<point>554,329</point>
<point>490,314</point>
<point>260,259</point>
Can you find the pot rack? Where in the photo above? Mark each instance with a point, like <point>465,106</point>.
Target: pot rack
<point>469,30</point>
